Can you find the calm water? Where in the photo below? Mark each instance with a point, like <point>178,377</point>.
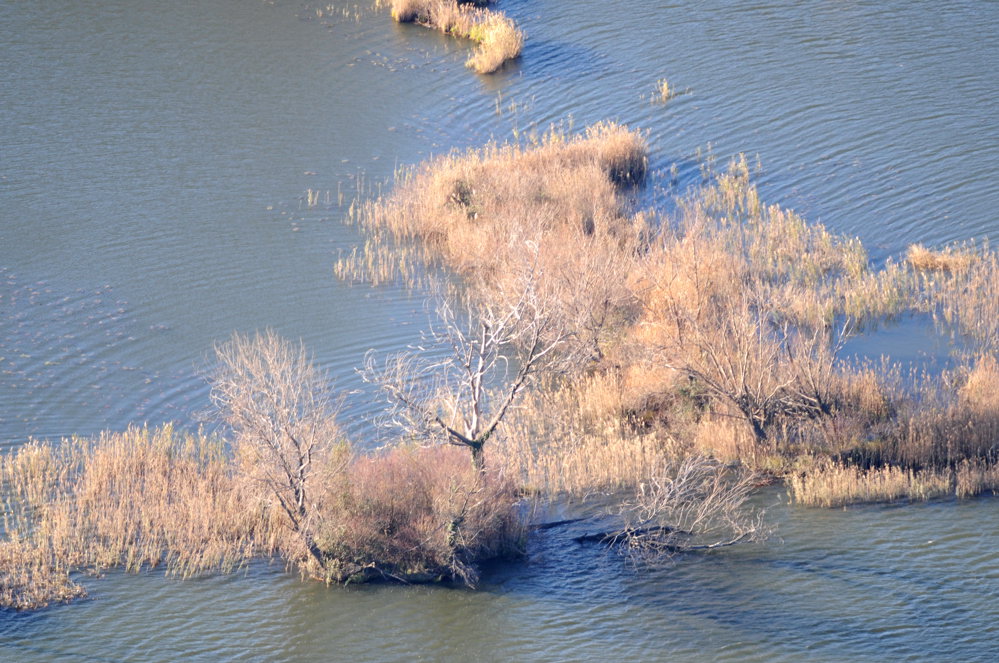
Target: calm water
<point>153,170</point>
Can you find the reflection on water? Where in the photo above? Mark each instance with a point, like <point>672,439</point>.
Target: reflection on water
<point>155,167</point>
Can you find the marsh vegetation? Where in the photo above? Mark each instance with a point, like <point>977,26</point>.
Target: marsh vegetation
<point>675,360</point>
<point>497,37</point>
<point>715,329</point>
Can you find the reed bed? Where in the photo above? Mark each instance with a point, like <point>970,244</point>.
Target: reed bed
<point>714,329</point>
<point>146,499</point>
<point>837,484</point>
<point>138,499</point>
<point>498,39</point>
<point>558,445</point>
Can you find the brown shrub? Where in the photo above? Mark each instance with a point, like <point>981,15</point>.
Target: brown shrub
<point>416,513</point>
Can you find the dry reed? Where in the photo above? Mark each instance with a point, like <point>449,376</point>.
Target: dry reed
<point>716,328</point>
<point>139,499</point>
<point>837,484</point>
<point>951,259</point>
<point>498,39</point>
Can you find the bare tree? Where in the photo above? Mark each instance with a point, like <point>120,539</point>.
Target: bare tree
<point>693,504</point>
<point>696,503</point>
<point>758,367</point>
<point>460,384</point>
<point>285,435</point>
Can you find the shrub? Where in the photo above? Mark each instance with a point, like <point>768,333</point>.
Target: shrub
<point>421,513</point>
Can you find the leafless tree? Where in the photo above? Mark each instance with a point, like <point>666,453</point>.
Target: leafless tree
<point>460,384</point>
<point>758,367</point>
<point>286,439</point>
<point>696,503</point>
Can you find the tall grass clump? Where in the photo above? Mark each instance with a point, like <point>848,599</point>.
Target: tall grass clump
<point>497,37</point>
<point>138,499</point>
<point>480,211</point>
<point>950,260</point>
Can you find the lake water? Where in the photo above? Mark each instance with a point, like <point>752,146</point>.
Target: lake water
<point>154,167</point>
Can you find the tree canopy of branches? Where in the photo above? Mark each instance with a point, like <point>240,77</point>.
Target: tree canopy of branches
<point>694,503</point>
<point>285,436</point>
<point>459,385</point>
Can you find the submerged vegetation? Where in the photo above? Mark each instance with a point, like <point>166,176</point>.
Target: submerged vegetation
<point>675,360</point>
<point>497,37</point>
<point>663,91</point>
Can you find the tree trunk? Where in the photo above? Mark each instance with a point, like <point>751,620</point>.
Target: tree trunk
<point>478,458</point>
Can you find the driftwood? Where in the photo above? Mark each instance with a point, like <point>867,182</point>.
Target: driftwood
<point>616,536</point>
<point>635,537</point>
<point>557,523</point>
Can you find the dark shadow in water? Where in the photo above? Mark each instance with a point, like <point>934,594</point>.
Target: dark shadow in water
<point>719,588</point>
<point>562,59</point>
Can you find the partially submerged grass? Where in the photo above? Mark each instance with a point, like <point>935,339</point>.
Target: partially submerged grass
<point>497,37</point>
<point>663,91</point>
<point>145,499</point>
<point>838,484</point>
<point>139,499</point>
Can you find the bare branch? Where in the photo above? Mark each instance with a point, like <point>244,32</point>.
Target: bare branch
<point>460,384</point>
<point>283,418</point>
<point>693,504</point>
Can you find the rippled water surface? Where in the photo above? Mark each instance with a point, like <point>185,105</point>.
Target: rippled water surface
<point>154,167</point>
